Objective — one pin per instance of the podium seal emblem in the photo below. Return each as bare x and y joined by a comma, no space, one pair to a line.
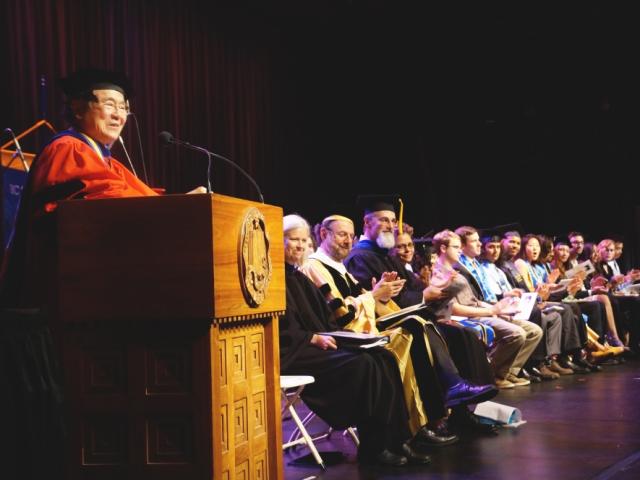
254,261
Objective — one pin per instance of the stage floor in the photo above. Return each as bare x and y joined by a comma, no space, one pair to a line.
578,427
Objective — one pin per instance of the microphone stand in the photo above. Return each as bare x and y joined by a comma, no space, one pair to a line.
201,150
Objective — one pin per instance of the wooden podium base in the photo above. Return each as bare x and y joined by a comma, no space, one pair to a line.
160,402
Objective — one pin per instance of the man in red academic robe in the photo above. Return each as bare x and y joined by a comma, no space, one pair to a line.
76,163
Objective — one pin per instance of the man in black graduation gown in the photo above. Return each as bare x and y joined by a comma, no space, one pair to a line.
361,388
370,258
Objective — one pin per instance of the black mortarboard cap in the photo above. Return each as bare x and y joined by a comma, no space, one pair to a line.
500,230
376,202
82,82
426,239
561,239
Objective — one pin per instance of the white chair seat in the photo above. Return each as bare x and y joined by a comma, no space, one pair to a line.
292,381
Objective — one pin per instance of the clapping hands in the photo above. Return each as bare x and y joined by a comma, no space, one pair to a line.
388,287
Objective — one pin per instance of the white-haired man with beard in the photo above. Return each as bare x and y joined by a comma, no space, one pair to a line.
370,254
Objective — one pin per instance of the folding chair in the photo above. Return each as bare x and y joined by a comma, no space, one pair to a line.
351,431
288,382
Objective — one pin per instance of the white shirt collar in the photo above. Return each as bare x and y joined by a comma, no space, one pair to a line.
614,266
321,256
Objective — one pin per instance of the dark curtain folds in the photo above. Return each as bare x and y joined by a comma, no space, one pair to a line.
320,101
200,73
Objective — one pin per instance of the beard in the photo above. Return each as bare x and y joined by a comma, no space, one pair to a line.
338,253
386,240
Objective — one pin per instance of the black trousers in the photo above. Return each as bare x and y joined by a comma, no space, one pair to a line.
468,353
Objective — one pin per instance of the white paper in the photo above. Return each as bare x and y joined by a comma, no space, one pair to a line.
403,312
586,267
527,302
505,414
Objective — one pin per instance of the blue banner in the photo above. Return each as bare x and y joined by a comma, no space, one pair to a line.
12,184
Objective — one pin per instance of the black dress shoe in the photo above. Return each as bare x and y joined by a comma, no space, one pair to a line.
462,420
414,457
442,430
595,368
385,457
575,366
464,393
610,361
527,375
430,438
583,363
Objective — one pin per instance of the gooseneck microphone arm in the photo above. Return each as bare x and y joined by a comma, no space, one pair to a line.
18,152
166,138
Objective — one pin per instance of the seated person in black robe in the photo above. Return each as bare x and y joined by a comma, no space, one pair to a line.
370,259
361,388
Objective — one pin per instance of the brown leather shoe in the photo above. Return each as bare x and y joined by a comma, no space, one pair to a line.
517,381
503,383
545,373
554,366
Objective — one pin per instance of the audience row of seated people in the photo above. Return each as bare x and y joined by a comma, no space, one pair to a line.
416,373
414,393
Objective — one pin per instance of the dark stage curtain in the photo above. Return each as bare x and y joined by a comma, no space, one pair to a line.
442,105
201,73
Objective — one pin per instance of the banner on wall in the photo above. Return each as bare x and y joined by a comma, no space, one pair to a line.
13,182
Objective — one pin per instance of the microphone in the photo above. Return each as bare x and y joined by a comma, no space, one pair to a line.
167,139
127,155
144,164
18,152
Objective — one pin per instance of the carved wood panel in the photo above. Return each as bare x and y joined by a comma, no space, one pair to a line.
245,399
196,404
139,404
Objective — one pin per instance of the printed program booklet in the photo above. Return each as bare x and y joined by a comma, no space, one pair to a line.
346,339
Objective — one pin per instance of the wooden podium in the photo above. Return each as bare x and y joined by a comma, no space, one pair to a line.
167,317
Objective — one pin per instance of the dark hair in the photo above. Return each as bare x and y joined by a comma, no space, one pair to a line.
464,232
587,251
443,238
523,249
315,234
491,239
546,246
511,233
